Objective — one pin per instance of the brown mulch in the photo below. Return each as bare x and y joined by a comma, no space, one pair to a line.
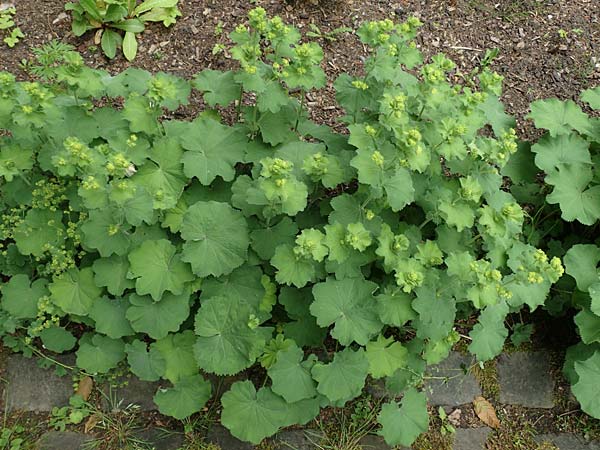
536,61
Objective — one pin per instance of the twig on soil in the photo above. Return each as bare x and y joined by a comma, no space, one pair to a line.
454,47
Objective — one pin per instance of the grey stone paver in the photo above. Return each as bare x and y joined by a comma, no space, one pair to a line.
134,392
222,437
458,387
567,441
470,438
31,388
297,439
161,440
373,442
525,379
62,440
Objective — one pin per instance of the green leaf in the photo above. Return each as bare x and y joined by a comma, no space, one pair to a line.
216,238
399,189
157,319
147,5
157,268
74,291
401,425
581,262
385,356
105,232
291,377
227,341
559,117
109,315
146,365
395,308
130,45
110,41
213,150
20,297
303,329
553,153
162,175
436,313
264,241
349,304
344,378
489,334
589,326
250,415
41,228
586,389
178,353
186,397
219,88
577,201
141,116
292,269
57,339
112,274
592,97
493,109
100,354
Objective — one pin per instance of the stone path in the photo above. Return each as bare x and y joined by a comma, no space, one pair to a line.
524,379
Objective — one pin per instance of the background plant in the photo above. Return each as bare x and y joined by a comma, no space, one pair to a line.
566,215
13,34
118,22
316,257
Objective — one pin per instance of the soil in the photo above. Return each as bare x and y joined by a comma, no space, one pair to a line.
536,60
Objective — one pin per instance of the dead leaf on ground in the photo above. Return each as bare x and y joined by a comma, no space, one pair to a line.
486,412
91,423
454,417
85,387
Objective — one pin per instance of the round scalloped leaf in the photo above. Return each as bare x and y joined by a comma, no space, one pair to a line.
581,263
109,315
344,378
158,319
291,377
489,334
586,389
250,415
20,298
178,353
57,339
349,304
213,150
385,356
226,343
157,269
40,228
559,117
401,425
74,291
112,274
100,354
104,231
588,325
216,238
186,397
146,365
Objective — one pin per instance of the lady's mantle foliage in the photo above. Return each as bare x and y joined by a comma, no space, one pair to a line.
198,246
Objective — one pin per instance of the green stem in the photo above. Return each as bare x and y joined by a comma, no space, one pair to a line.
302,99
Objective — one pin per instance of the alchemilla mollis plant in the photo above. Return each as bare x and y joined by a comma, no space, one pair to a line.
319,258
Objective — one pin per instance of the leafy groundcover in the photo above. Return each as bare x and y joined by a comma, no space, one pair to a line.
184,248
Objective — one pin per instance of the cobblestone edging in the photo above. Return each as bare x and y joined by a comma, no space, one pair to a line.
524,379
